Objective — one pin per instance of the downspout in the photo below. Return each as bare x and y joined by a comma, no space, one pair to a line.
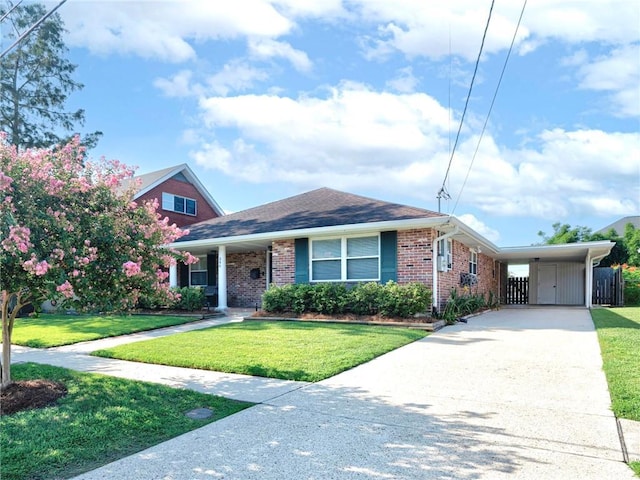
436,296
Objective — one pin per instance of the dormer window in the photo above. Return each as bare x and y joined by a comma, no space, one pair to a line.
176,203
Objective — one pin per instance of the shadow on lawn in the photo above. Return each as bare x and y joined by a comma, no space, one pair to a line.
605,318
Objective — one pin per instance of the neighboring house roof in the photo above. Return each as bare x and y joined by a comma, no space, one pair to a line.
620,224
149,181
319,208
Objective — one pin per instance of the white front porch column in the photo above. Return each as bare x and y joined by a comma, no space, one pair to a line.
173,276
588,283
222,277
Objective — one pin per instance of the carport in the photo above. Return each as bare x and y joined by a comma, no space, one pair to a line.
559,274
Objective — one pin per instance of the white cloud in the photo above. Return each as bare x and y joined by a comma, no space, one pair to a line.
178,85
480,227
162,30
267,49
617,72
357,138
404,82
434,30
235,76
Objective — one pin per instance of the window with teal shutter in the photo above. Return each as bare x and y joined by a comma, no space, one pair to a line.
345,259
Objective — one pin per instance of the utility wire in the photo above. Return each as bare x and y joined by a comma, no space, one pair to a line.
493,100
13,7
443,191
31,29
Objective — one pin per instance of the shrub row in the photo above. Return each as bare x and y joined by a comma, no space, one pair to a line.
459,305
389,300
191,298
631,277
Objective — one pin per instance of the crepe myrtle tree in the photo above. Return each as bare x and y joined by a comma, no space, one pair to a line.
71,232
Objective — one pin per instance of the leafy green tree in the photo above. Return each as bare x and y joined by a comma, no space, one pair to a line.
69,233
564,233
632,242
36,81
626,249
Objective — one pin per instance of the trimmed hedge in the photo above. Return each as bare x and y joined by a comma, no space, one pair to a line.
389,300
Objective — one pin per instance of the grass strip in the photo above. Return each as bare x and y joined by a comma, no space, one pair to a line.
302,351
100,420
619,336
53,330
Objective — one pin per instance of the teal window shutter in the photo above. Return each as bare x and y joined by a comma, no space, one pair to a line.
184,275
212,269
388,256
302,260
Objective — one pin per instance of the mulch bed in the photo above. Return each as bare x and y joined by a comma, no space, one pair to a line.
346,317
28,394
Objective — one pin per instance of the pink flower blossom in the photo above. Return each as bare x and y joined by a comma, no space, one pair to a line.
5,182
65,289
130,268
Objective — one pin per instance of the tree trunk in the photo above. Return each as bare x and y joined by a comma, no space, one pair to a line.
8,318
6,353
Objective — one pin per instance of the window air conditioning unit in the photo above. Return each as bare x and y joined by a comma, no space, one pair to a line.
442,263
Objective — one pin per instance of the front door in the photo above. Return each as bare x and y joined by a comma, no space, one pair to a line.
547,275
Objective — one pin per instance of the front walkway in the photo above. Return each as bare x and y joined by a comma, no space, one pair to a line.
230,385
513,394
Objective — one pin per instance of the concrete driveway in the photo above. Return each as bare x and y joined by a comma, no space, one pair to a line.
517,393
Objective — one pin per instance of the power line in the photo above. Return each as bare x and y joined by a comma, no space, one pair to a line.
31,29
13,7
443,191
493,100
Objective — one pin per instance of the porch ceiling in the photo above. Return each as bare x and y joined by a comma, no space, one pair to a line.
240,247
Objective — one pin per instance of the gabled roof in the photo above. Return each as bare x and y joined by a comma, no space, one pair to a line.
323,207
149,181
619,225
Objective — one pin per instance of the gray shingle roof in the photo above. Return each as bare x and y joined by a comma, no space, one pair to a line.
323,207
619,225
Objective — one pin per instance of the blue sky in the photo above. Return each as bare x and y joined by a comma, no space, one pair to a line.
267,99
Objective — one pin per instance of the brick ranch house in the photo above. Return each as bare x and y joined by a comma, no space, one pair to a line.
330,236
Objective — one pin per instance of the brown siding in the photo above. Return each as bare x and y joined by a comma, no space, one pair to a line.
183,189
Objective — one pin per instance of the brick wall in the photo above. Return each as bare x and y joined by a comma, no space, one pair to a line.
242,290
415,264
415,254
183,189
488,280
283,262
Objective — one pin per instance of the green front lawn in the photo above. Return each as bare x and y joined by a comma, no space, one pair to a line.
619,336
100,420
52,330
288,350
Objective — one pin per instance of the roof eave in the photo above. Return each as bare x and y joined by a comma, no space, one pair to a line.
192,178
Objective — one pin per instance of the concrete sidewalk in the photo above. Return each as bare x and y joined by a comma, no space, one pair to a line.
513,394
230,385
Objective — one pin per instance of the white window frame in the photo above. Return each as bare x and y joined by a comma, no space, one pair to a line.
449,252
202,260
343,259
169,202
473,262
